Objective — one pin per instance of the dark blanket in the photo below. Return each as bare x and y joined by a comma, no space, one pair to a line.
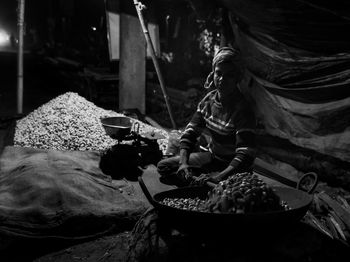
60,194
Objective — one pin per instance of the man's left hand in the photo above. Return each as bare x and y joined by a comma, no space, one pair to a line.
203,178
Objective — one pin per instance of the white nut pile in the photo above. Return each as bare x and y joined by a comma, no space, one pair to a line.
70,122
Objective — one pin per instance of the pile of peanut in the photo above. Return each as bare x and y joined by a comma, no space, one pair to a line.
194,204
70,122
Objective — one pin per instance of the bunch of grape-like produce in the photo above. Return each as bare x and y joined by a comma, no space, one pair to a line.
240,193
70,122
244,193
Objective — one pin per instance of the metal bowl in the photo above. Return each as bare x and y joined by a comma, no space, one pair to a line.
117,127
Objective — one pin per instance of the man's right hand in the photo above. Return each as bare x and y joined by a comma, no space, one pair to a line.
184,174
184,168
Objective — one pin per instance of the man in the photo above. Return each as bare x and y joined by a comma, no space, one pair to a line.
230,122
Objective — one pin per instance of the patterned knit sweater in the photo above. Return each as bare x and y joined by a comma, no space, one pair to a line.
231,129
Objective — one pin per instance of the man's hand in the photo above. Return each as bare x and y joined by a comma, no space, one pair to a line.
203,178
217,177
184,170
224,174
214,177
184,174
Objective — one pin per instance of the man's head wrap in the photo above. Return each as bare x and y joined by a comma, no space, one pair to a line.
224,54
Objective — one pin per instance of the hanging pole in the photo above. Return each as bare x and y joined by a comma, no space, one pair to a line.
139,7
20,23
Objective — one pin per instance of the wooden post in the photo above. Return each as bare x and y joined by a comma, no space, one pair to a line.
20,21
132,65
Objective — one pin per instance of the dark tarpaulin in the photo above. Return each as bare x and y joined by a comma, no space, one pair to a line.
304,24
59,196
301,47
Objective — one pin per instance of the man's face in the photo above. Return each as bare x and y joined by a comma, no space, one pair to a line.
226,78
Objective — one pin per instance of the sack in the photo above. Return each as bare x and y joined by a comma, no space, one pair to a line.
121,160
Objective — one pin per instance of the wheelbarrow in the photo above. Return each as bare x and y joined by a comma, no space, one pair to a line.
207,224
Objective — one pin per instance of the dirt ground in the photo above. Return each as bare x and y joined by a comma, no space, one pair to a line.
110,248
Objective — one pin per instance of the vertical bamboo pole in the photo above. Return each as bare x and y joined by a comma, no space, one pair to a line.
20,23
139,7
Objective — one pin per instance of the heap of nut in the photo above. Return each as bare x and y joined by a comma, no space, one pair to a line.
240,193
194,204
70,122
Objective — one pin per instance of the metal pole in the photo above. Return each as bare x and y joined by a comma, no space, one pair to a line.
20,23
139,7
